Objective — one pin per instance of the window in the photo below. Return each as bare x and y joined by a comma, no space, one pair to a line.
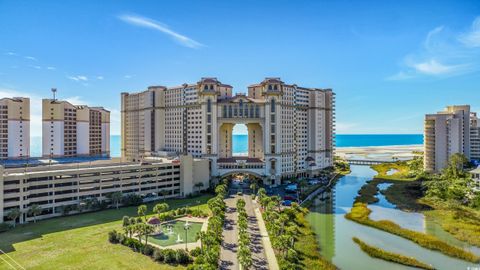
209,105
272,105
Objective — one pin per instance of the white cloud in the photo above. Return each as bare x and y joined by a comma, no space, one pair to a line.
78,78
127,77
345,128
99,77
149,23
472,37
76,100
31,58
35,67
11,53
432,67
443,53
51,68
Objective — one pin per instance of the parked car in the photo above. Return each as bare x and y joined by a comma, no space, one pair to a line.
313,182
289,198
291,187
269,192
287,203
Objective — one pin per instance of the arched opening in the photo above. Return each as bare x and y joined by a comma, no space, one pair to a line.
240,145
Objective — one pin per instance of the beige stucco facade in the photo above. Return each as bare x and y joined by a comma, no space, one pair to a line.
14,128
290,128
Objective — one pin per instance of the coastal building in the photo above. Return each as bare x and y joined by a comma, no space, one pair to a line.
474,138
290,128
74,130
476,179
14,128
68,185
446,133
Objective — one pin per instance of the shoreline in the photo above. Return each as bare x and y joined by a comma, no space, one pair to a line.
381,153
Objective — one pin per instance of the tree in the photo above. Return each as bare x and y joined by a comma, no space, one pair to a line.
160,208
34,211
116,198
164,193
456,165
254,186
142,211
198,186
147,229
125,224
202,237
14,214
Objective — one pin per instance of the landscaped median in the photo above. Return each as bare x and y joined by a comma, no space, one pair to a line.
378,253
360,213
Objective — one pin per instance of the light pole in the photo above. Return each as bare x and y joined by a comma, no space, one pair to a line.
186,228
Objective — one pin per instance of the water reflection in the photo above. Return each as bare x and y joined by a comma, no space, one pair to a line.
334,232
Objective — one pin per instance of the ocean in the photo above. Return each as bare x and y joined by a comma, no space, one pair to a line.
240,142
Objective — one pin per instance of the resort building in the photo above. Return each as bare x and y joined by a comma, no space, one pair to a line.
290,128
74,130
446,133
476,179
474,138
14,128
69,185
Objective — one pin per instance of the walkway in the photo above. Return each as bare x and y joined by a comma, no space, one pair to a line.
256,244
228,251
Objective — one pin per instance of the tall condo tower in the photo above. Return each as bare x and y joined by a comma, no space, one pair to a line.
14,128
290,128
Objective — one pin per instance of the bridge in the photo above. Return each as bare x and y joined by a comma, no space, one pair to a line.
367,162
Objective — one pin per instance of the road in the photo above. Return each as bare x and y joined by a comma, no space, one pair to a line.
228,251
256,245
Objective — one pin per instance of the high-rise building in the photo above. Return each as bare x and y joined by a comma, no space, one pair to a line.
14,128
290,128
474,137
446,133
74,130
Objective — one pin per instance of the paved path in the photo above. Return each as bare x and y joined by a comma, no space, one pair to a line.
256,244
228,251
270,255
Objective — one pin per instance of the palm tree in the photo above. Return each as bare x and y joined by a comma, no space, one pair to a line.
125,223
142,211
147,230
14,214
34,211
202,237
198,186
116,198
164,193
254,186
160,208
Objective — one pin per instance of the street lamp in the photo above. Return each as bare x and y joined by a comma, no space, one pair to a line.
186,227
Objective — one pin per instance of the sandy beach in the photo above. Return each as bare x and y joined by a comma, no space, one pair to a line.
401,152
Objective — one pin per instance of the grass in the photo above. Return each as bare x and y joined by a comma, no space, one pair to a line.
80,241
308,248
360,213
378,253
402,171
404,194
460,221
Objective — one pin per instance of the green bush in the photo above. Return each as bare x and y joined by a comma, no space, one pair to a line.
113,237
195,252
170,256
158,255
4,227
148,250
182,257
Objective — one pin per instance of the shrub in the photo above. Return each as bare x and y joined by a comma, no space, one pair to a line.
195,252
182,257
158,255
113,237
148,250
170,256
132,199
4,227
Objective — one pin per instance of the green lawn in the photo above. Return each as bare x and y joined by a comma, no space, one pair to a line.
80,241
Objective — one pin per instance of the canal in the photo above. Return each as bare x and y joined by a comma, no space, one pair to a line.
334,232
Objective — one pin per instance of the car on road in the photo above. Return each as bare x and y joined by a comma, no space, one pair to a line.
287,203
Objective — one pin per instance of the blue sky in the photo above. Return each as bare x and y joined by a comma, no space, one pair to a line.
389,62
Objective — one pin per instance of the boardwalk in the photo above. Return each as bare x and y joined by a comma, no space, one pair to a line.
228,251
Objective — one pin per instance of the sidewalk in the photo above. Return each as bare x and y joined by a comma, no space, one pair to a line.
267,245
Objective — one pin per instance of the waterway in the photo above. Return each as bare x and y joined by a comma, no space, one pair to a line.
334,232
